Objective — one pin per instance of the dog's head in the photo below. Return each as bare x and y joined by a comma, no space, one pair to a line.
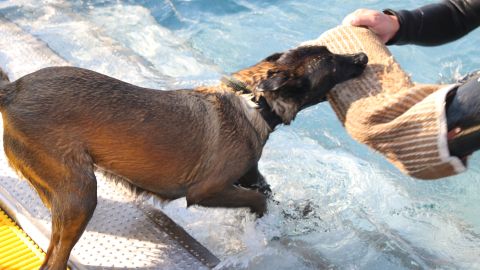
299,78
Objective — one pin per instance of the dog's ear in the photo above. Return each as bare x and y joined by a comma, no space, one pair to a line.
274,81
274,57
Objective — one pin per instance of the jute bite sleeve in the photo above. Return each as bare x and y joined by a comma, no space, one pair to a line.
383,108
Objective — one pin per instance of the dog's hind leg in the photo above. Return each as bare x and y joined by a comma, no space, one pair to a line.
71,211
66,184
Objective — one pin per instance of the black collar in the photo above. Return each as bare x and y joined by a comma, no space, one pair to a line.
237,85
265,110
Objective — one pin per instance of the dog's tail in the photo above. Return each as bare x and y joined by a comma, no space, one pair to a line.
3,82
3,78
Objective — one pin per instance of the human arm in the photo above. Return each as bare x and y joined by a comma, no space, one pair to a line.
429,25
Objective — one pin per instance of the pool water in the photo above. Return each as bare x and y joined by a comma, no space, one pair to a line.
338,205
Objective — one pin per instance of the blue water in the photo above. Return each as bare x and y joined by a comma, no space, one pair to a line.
340,205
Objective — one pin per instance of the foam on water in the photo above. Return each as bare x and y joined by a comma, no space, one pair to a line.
337,204
139,31
333,209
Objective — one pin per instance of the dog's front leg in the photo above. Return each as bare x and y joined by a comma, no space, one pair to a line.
253,179
230,197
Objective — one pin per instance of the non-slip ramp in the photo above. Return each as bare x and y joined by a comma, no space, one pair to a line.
122,234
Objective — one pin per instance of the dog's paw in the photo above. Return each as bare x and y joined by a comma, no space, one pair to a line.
259,210
261,187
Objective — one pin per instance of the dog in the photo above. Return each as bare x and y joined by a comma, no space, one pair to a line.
63,123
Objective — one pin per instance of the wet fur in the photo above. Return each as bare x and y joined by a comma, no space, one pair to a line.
63,123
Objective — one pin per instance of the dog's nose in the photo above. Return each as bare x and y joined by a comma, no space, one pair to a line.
361,59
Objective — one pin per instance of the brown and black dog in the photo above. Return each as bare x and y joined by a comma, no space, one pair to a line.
63,123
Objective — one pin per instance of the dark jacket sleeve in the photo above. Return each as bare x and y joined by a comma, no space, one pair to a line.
436,24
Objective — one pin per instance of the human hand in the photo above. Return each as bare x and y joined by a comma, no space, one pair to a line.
384,25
